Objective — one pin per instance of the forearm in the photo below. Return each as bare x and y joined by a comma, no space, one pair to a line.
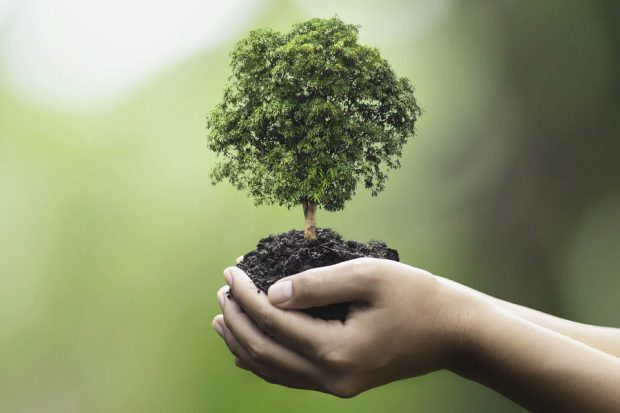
603,338
534,366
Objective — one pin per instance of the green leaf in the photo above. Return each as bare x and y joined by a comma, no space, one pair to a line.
309,114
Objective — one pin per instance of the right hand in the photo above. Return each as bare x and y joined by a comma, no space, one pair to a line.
402,322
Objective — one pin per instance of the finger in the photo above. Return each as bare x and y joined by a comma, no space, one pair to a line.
264,349
349,281
242,358
221,296
218,325
239,259
240,364
271,375
310,336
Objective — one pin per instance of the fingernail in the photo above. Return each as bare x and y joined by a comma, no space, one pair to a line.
280,292
218,327
228,276
220,296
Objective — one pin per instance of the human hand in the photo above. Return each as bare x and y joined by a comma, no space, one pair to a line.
402,322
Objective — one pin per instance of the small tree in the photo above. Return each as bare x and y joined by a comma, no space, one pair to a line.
308,114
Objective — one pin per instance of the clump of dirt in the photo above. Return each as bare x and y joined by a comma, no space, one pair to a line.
288,253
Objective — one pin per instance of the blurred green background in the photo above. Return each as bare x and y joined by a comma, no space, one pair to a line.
112,240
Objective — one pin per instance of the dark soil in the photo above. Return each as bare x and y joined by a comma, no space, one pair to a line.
288,253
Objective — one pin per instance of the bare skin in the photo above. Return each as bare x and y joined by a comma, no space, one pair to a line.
405,322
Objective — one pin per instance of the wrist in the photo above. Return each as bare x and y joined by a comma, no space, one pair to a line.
468,312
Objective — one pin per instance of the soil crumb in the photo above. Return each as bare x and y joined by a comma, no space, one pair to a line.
288,253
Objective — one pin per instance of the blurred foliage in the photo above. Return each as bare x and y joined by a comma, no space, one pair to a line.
112,240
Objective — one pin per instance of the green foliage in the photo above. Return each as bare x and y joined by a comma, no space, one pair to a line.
308,114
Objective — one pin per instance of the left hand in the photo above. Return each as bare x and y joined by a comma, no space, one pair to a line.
402,322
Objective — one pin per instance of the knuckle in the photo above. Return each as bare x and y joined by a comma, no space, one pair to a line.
266,320
256,351
366,268
269,378
337,359
344,387
232,347
365,260
262,373
303,287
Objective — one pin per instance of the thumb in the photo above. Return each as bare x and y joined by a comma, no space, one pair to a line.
348,281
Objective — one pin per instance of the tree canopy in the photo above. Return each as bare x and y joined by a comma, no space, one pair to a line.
308,114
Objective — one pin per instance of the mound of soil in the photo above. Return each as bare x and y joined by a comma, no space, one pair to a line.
288,253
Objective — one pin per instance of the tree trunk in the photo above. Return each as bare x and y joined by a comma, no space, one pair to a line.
309,222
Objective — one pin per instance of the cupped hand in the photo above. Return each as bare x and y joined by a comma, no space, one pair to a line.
402,322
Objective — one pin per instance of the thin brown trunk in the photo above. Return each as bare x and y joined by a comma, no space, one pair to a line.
309,220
